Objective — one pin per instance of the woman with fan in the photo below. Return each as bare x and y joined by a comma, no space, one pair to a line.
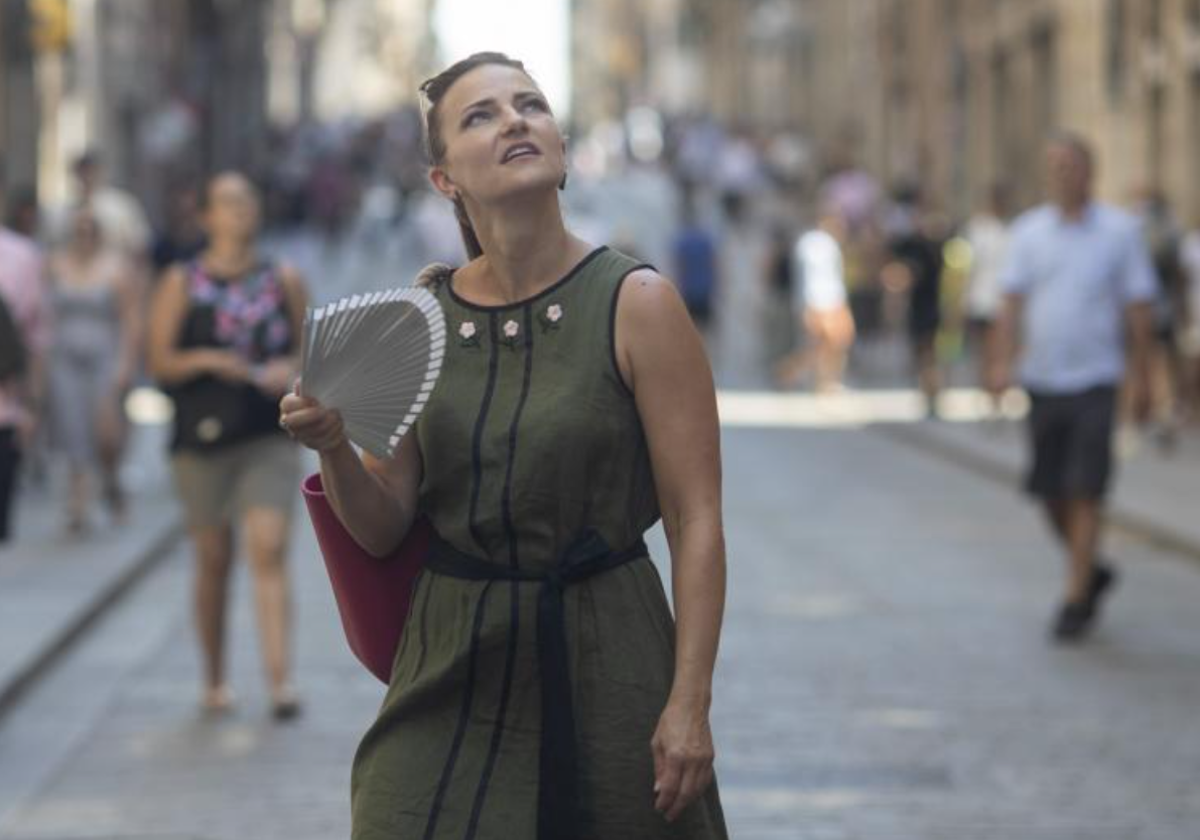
541,688
223,344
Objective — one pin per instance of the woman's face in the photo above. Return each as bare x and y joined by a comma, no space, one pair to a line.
232,210
501,138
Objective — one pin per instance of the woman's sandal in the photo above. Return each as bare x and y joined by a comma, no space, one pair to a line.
285,705
217,701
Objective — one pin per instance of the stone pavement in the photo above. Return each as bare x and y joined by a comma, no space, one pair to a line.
1154,489
884,675
53,585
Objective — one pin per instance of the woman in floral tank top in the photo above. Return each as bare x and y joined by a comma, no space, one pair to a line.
223,344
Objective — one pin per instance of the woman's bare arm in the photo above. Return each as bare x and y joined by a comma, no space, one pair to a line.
376,500
130,314
662,359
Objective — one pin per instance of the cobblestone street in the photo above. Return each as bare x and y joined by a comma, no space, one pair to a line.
884,676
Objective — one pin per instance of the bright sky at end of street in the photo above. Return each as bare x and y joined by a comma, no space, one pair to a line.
535,31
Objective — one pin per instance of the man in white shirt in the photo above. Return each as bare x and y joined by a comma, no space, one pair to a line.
1077,275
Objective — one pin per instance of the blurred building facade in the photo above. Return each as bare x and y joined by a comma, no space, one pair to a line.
158,89
18,95
739,60
957,94
330,59
962,93
167,91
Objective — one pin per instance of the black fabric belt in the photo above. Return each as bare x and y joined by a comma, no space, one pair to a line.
558,783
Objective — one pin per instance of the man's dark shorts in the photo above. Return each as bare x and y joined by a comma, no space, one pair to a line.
1071,436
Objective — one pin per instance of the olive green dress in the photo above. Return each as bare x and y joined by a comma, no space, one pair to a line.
530,439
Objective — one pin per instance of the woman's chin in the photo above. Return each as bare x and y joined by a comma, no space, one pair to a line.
523,185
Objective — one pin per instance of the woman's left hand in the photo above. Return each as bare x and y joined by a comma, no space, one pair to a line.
683,757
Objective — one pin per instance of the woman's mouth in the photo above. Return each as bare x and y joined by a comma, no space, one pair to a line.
520,150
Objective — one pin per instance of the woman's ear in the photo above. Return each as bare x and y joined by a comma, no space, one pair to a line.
442,183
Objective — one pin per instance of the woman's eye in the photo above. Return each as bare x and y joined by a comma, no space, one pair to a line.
536,105
473,118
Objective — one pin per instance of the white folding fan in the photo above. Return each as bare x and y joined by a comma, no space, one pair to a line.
374,357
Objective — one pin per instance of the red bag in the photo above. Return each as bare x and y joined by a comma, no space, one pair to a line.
372,594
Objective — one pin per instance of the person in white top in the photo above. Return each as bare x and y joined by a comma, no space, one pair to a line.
819,295
987,233
123,222
1077,280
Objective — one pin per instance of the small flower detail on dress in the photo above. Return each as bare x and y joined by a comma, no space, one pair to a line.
511,330
468,334
550,318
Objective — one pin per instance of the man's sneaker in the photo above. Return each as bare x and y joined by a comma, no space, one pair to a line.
1072,622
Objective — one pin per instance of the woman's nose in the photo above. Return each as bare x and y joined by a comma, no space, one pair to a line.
513,121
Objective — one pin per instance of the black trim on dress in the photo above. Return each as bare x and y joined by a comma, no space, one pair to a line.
553,287
477,438
464,717
510,529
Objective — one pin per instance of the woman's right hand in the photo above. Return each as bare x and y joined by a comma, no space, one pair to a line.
312,424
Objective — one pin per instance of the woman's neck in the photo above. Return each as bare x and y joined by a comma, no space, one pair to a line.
525,249
229,256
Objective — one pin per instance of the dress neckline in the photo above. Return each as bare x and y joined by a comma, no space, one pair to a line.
553,287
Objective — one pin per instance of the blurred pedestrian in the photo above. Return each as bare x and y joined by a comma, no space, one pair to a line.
695,253
915,248
223,341
98,331
1076,274
1189,259
182,238
1162,235
819,286
24,342
987,234
503,719
24,215
123,222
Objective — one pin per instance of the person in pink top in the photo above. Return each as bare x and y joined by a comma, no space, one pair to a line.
22,293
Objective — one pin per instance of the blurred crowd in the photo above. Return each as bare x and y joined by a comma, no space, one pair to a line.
858,262
840,270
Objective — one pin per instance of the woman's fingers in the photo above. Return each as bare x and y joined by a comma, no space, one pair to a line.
294,402
667,779
302,411
313,425
692,784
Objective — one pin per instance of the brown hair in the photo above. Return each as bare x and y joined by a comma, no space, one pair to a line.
435,90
